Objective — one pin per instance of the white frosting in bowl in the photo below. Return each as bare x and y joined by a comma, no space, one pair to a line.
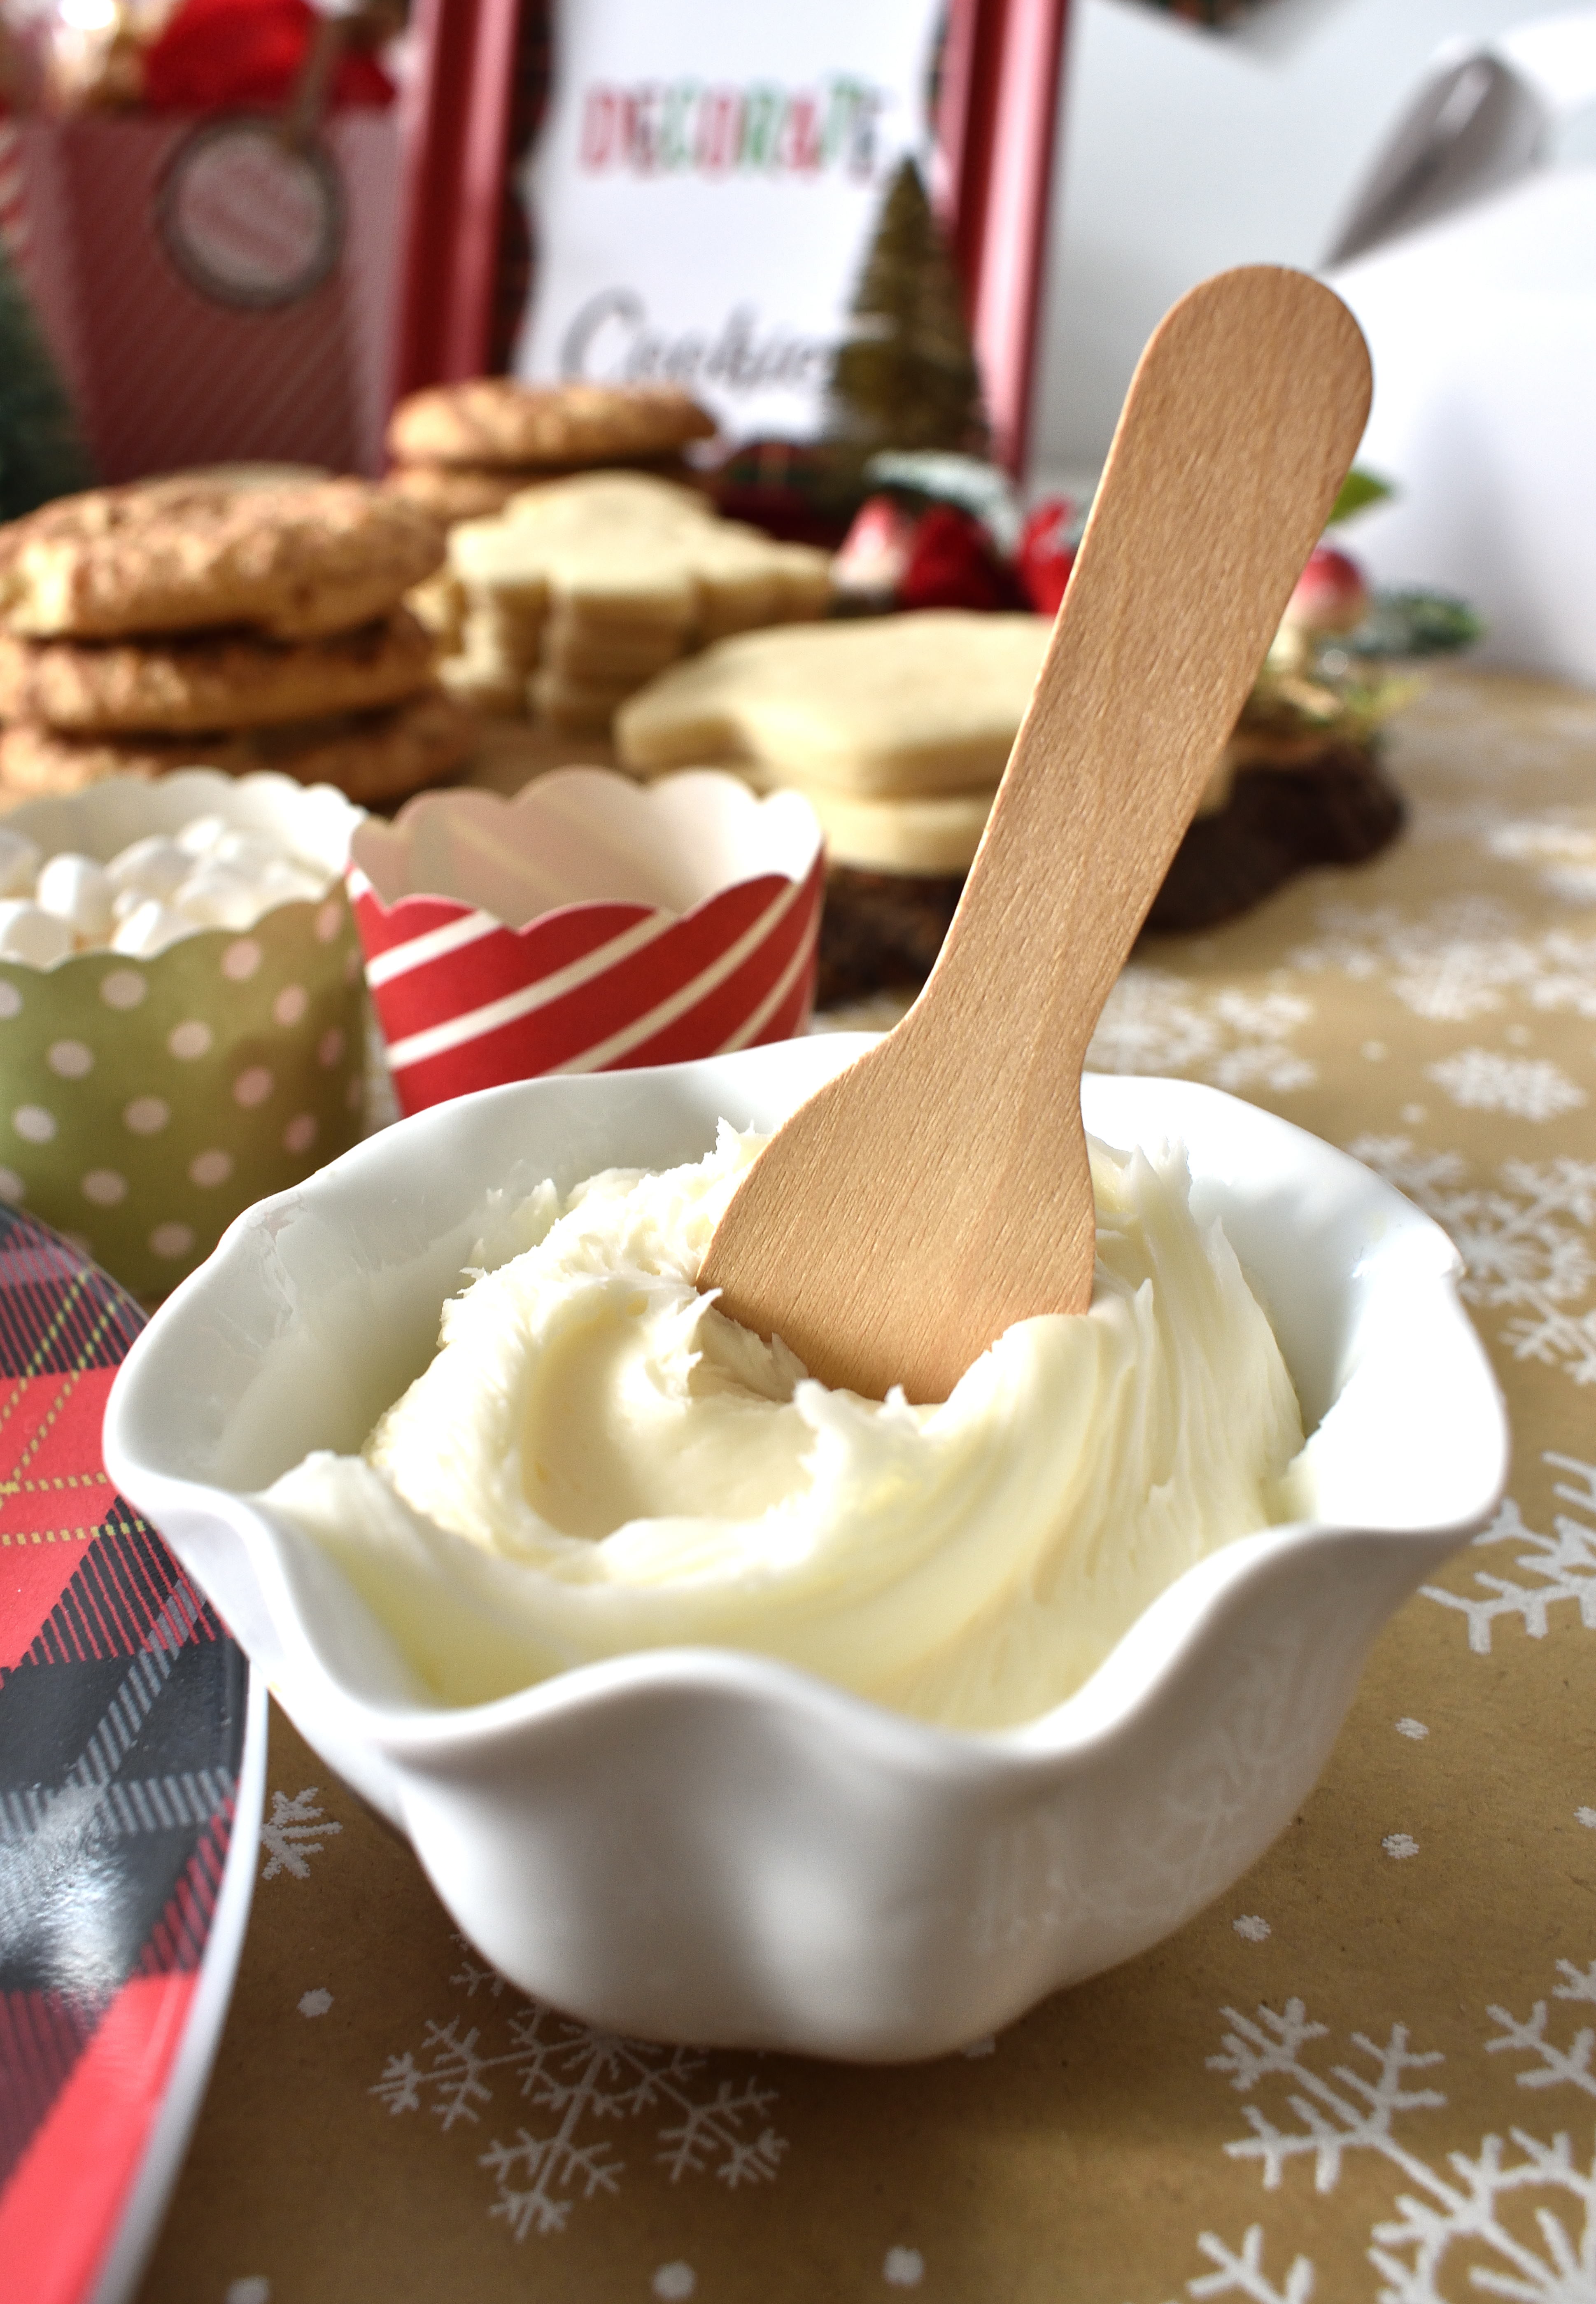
598,1461
700,1843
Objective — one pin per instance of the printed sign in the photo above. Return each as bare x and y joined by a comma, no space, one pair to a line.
247,218
705,189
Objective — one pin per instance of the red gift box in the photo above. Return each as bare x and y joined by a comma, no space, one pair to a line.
211,293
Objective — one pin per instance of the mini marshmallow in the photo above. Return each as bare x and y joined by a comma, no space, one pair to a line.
200,835
245,852
285,882
77,890
26,933
149,927
209,875
215,897
151,867
20,860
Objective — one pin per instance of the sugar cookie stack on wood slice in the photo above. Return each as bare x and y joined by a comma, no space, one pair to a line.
463,450
581,591
218,621
896,728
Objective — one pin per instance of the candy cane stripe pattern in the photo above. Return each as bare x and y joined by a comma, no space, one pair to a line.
465,1003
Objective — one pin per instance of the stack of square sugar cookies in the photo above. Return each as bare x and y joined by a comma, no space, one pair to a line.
465,449
579,592
896,728
234,625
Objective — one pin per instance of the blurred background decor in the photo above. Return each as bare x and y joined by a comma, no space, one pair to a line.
1471,263
41,453
206,199
1206,12
763,146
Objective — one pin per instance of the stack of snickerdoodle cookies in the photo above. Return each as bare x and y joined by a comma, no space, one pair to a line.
465,449
238,625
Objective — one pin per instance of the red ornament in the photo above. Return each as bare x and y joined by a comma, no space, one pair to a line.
228,56
951,565
1330,595
876,551
1046,554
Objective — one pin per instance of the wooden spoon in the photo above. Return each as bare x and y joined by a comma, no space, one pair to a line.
939,1190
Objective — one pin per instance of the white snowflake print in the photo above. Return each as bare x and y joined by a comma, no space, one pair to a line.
1413,1730
1468,2213
584,2078
1252,1927
1155,1022
1343,2113
1244,2275
1556,845
905,2268
1562,1565
1562,852
1554,2067
1466,957
1455,2223
1523,1242
1525,1088
1400,1845
293,1832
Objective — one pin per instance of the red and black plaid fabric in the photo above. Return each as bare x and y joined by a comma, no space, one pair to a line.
121,1724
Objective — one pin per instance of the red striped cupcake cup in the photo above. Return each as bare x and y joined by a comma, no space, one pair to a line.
589,923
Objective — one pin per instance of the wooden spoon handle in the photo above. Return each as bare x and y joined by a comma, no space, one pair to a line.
1241,421
939,1190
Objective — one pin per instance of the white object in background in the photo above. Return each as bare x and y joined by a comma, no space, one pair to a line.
706,189
1472,268
28,932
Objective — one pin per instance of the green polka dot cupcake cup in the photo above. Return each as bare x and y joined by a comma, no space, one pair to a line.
145,1102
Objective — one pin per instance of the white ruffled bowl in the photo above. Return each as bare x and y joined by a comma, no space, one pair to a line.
702,1845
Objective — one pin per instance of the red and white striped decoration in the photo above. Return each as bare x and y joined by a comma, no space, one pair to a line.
165,377
465,1003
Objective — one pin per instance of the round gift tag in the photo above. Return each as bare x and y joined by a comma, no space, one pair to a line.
248,218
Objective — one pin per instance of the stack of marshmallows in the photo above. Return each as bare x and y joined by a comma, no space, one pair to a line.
216,619
207,875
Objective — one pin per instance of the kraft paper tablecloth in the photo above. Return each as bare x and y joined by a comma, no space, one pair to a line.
1367,2071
